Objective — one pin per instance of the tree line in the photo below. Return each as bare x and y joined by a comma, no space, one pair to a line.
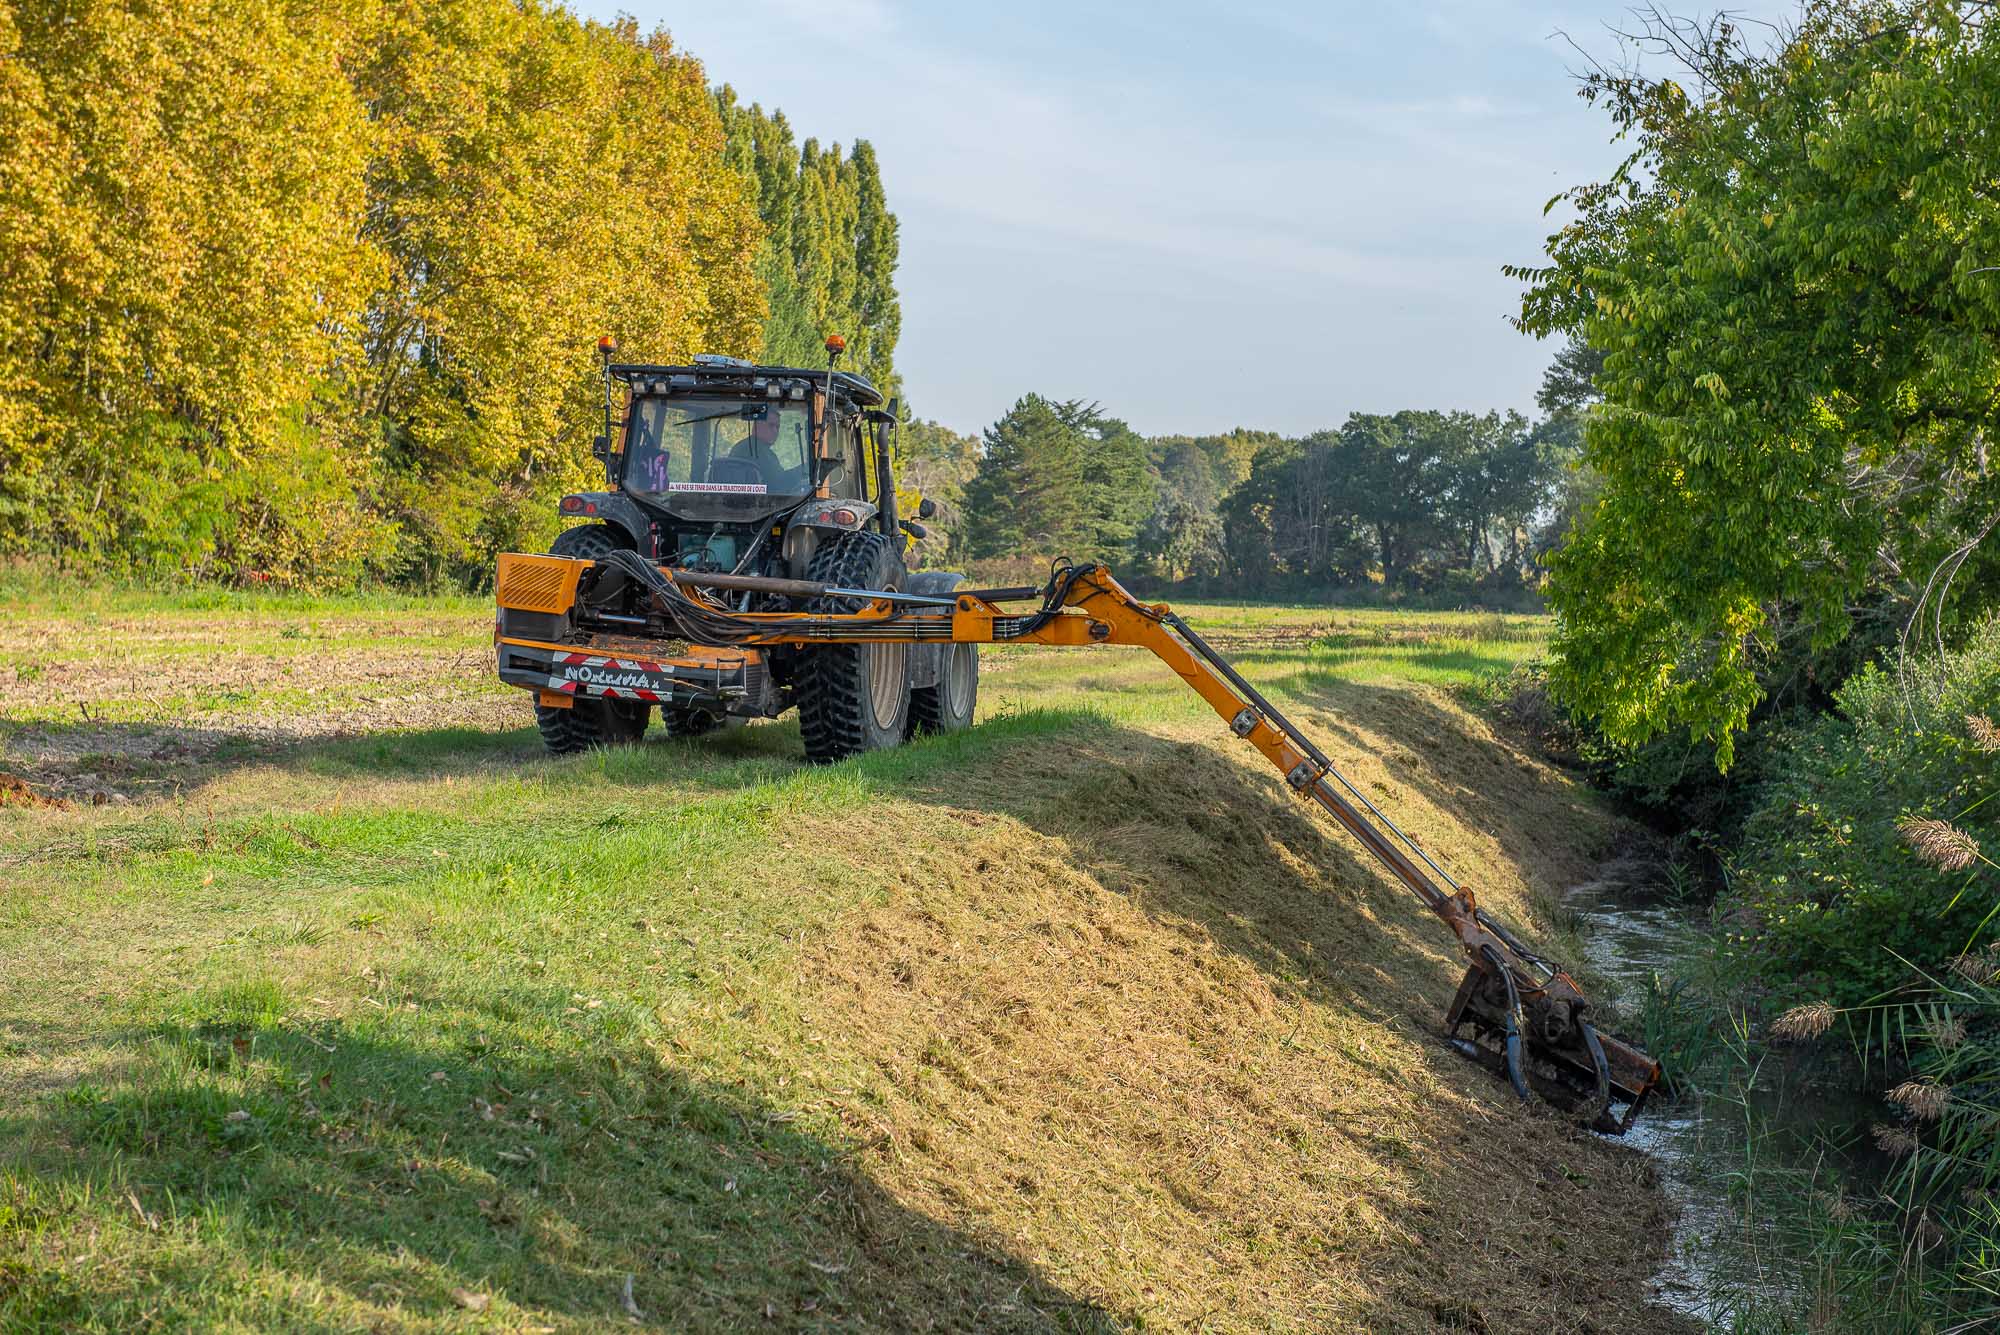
310,293
1415,501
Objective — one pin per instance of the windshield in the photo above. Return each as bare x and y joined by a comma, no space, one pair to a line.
719,458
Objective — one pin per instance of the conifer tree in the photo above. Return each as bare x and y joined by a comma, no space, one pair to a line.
1058,479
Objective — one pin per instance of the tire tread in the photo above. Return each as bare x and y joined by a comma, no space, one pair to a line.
831,687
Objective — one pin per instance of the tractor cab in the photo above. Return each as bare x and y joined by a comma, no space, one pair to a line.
722,464
712,459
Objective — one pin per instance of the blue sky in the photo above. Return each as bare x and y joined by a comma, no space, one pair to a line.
1263,214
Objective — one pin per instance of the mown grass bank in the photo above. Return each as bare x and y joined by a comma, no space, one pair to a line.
354,1015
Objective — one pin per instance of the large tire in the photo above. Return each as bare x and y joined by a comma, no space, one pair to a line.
591,542
852,697
589,723
948,706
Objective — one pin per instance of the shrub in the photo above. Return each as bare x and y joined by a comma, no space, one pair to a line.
1831,897
288,515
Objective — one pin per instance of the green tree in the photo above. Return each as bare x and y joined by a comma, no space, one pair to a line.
831,245
1184,535
1790,280
1229,455
1569,385
1058,478
1498,477
1296,517
1568,390
878,314
761,146
1410,497
936,463
1026,497
1400,470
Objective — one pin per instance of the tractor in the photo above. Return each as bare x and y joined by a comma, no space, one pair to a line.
767,481
747,558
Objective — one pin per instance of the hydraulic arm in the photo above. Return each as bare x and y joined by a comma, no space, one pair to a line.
1514,1011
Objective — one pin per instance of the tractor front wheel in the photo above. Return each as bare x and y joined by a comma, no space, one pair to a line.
589,723
688,721
853,697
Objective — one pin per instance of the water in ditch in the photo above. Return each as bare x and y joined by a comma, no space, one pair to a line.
1762,1125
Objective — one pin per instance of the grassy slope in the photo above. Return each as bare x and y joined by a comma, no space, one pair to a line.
1073,1020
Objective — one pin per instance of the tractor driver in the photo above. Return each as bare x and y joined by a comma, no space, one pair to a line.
759,448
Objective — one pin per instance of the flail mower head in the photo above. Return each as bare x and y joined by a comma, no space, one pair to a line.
1530,1021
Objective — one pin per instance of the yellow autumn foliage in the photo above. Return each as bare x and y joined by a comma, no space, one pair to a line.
300,291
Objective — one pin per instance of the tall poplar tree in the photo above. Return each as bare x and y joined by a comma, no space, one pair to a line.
290,292
831,244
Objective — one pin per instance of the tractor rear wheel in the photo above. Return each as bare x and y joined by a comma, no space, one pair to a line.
590,542
590,722
852,697
947,706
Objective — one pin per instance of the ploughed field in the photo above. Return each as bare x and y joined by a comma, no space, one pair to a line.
334,1004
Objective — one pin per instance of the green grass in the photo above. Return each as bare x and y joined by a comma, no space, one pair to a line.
419,1029
406,1043
1286,648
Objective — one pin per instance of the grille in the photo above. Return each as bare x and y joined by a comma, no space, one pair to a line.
534,588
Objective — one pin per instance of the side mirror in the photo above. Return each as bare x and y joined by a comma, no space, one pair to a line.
926,508
601,447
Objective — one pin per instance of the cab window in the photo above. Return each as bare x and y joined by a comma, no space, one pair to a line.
718,447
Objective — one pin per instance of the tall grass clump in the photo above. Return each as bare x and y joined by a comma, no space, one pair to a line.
1922,1252
1841,1024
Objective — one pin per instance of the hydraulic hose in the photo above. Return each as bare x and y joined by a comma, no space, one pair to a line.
1512,1021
